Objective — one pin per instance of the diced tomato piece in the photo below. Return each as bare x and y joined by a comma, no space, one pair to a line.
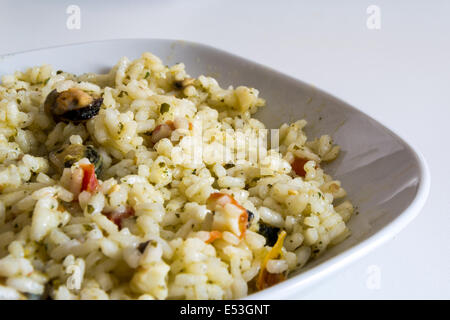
118,216
298,165
90,182
270,279
163,130
213,235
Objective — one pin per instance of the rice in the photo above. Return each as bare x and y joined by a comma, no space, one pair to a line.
166,189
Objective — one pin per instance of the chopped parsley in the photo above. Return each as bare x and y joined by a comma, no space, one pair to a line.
120,127
229,165
90,208
146,75
164,108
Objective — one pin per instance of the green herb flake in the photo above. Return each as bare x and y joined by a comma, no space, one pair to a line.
164,108
46,80
229,165
146,75
90,208
120,127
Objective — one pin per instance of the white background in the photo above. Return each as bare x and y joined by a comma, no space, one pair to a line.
399,74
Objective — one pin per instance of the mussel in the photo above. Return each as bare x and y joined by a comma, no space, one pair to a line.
72,105
67,155
269,232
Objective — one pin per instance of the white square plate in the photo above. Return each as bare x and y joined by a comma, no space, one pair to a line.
384,176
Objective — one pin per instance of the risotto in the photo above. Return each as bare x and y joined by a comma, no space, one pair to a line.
146,183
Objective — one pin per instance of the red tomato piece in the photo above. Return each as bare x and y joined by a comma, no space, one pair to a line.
118,216
90,182
298,165
269,279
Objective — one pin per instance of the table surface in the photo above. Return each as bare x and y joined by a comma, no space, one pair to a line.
399,74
